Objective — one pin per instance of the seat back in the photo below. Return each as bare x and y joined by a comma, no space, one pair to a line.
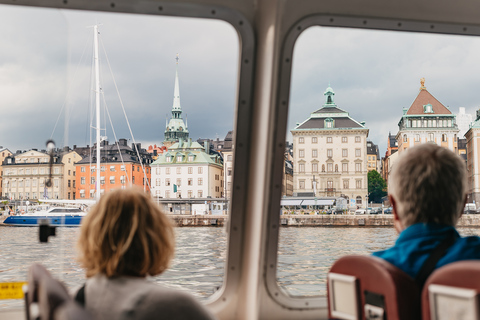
452,292
45,295
366,287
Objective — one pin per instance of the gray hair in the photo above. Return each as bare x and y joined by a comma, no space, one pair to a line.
429,185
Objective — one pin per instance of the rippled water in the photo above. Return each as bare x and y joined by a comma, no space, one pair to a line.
305,255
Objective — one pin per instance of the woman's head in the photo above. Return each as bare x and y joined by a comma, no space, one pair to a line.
126,233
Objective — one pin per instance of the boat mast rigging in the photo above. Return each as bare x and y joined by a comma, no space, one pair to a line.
97,108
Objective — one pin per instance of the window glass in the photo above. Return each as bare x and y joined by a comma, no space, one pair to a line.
46,58
363,96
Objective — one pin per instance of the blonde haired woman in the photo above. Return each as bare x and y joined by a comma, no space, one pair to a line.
124,239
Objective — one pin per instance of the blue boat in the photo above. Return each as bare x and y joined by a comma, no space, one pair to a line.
68,217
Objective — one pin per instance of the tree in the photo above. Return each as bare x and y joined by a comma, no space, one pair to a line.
377,188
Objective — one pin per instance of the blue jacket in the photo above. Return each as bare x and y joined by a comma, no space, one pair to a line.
415,244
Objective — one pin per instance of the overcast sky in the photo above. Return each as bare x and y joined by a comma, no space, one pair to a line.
46,57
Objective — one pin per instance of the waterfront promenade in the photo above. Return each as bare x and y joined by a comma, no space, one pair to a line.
323,220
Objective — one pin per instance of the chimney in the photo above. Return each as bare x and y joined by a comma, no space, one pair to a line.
207,146
155,152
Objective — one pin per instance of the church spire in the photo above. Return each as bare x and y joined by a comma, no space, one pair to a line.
175,128
176,92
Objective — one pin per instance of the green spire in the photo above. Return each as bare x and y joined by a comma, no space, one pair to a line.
329,93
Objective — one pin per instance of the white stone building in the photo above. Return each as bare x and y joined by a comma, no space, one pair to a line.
427,120
187,171
463,121
330,155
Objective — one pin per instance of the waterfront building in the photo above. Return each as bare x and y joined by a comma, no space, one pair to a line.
175,129
187,170
25,174
155,151
4,152
373,157
427,120
330,155
120,167
473,157
392,147
463,121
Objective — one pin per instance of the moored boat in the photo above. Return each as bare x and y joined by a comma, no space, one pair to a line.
56,216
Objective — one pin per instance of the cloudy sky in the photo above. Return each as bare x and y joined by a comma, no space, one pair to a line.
46,58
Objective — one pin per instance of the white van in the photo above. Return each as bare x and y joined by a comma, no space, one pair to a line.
470,208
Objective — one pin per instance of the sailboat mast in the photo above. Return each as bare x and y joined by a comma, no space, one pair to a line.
97,106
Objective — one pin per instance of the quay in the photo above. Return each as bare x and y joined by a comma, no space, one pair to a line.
323,220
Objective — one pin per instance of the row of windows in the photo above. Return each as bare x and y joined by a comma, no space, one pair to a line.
346,184
431,137
158,182
113,169
158,170
34,195
102,180
301,153
431,123
179,194
329,139
301,167
26,183
33,171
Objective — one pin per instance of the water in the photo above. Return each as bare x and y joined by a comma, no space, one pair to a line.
305,256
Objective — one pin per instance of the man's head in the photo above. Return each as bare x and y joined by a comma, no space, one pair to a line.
428,184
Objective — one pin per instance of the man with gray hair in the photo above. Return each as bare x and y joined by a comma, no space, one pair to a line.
427,190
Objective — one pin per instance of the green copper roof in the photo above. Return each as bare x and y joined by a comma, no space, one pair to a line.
187,152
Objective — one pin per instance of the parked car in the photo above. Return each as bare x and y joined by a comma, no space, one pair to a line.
376,210
470,208
388,210
360,211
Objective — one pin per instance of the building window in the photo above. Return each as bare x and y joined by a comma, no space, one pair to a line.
314,153
82,181
301,184
167,170
314,167
92,193
301,153
92,180
190,193
344,139
112,168
112,179
167,194
200,181
405,139
122,179
358,139
190,182
345,184
69,183
444,137
179,170
102,168
417,138
301,140
167,182
200,170
82,193
190,158
330,167
200,193
358,167
359,200
229,157
330,184
358,152
329,153
301,167
82,169
168,159
314,140
190,170
329,139
229,172
431,137
179,182
358,184
179,158
344,153
344,167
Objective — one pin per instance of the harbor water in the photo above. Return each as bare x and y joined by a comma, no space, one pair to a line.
305,256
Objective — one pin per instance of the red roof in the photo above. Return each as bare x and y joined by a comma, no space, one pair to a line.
424,97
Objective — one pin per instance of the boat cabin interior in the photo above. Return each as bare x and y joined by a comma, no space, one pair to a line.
265,35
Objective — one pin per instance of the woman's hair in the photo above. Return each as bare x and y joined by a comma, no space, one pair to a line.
126,233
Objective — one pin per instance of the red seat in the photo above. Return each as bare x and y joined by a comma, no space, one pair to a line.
360,285
452,291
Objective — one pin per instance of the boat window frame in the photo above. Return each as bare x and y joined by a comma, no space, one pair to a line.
288,41
243,108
